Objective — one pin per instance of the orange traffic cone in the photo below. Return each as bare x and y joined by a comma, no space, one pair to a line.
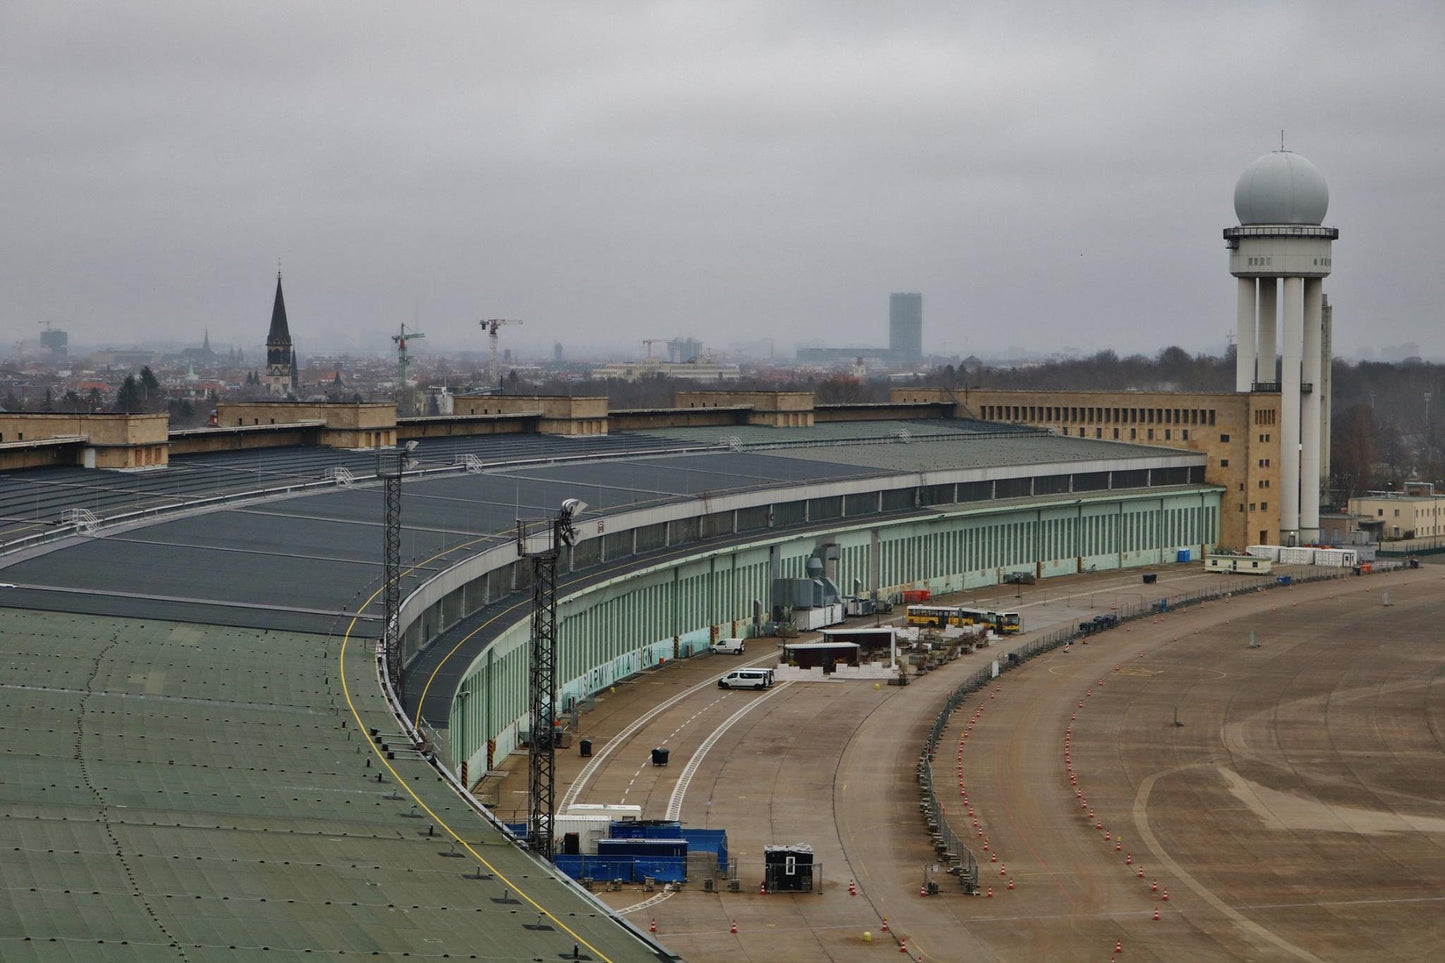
1156,914
735,926
652,927
1118,946
885,924
903,946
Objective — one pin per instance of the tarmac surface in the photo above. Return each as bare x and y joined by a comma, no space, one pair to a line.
1291,810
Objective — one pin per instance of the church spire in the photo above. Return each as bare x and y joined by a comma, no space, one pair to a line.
280,333
280,355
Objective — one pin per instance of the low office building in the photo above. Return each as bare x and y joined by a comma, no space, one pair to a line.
1414,512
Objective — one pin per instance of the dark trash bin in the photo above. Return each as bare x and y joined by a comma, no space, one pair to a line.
1150,578
584,747
659,756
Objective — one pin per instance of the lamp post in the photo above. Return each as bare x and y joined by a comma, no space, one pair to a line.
542,685
391,464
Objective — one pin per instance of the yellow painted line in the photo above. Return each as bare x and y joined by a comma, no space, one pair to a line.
361,727
416,721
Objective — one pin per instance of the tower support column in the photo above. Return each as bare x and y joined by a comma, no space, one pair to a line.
1311,403
1327,378
1244,351
1268,321
1289,415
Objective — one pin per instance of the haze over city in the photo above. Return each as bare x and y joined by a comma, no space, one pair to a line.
1049,177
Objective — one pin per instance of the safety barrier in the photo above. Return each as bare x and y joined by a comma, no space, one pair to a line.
948,844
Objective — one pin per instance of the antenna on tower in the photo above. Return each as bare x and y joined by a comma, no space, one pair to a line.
1281,138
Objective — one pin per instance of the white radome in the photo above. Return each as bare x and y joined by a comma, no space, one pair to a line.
1281,187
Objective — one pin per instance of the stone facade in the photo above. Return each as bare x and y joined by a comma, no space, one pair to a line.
1409,514
339,425
556,414
775,409
90,440
1239,432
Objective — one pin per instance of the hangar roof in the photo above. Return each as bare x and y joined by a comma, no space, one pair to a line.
185,762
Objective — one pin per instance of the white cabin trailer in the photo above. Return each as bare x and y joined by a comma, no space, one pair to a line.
1238,564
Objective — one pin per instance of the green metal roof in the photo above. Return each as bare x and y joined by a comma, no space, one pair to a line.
167,783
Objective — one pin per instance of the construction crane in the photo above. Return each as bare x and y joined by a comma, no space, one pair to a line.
650,342
491,325
402,362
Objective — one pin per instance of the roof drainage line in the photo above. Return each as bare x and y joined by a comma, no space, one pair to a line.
103,808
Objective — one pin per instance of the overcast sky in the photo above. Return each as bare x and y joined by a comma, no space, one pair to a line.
1048,176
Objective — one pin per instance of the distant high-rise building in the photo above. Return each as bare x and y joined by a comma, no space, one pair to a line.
280,356
683,350
56,341
905,326
556,351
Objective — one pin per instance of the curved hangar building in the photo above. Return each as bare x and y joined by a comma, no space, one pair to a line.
200,760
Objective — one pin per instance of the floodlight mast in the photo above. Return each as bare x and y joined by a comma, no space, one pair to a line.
391,464
542,688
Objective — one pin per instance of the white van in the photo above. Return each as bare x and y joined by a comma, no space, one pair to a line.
746,679
727,647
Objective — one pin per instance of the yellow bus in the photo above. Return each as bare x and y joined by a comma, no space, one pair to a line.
937,616
1004,623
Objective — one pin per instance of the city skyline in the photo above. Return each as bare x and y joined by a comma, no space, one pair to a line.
1044,177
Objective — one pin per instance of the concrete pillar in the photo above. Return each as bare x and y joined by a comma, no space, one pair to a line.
1244,337
1268,319
1309,488
1327,377
1292,332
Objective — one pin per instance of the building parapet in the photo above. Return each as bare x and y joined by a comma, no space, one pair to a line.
343,424
774,409
115,441
555,414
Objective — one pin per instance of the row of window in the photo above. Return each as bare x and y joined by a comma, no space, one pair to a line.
1133,433
1091,415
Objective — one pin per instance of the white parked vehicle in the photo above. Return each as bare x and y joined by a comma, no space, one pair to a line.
727,647
746,679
